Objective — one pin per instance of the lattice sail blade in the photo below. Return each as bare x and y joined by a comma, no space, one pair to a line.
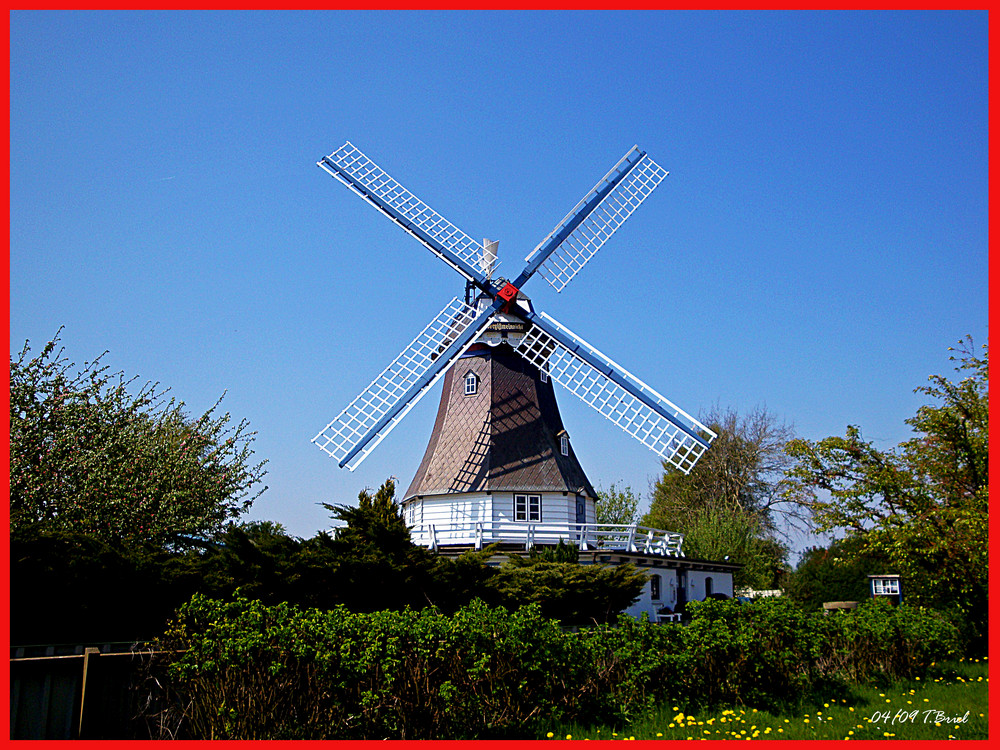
601,383
580,245
370,417
351,167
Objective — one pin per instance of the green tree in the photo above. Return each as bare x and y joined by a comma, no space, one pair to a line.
838,572
715,532
567,591
923,506
88,456
375,563
733,501
743,469
617,506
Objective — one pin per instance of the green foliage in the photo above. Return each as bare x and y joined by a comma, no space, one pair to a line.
714,532
730,502
567,591
243,670
617,506
374,562
838,572
71,587
68,586
922,507
87,456
246,671
563,552
743,469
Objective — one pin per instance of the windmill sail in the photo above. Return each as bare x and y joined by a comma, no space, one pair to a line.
614,392
601,383
437,234
626,186
378,409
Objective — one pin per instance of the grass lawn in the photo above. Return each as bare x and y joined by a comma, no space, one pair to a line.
950,703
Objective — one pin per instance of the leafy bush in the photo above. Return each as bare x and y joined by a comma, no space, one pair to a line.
248,671
245,670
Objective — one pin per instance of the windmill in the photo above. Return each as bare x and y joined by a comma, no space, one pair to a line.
496,315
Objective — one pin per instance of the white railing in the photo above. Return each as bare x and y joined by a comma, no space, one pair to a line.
586,536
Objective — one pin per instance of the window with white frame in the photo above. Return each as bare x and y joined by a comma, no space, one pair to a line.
528,508
471,384
885,586
564,444
544,376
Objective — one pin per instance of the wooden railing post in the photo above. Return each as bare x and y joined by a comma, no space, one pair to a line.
89,653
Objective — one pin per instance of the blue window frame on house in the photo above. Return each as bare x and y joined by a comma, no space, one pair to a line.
471,384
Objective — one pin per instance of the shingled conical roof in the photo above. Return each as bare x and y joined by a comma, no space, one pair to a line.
504,437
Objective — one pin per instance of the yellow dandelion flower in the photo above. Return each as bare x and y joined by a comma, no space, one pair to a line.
850,708
780,729
569,736
805,721
550,735
659,734
850,731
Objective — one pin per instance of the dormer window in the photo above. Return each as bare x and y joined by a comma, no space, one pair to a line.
471,384
564,444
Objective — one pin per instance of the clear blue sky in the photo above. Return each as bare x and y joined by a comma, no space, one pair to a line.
821,240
